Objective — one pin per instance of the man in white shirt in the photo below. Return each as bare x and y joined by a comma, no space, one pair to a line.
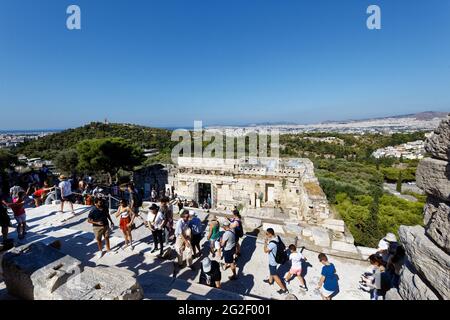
66,192
183,245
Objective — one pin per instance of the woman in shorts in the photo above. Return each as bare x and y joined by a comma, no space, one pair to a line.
127,217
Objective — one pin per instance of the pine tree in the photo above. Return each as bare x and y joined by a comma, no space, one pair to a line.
399,181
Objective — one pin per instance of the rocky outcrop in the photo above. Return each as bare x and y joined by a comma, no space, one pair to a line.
412,287
430,261
439,143
433,176
437,222
426,274
35,271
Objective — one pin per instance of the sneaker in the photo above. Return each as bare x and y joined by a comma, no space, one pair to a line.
154,250
282,292
224,267
99,254
268,281
304,288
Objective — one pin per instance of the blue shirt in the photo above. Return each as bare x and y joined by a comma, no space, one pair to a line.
331,281
196,225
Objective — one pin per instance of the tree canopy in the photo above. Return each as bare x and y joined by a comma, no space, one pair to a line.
108,155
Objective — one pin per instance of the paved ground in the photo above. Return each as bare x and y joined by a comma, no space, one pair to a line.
159,278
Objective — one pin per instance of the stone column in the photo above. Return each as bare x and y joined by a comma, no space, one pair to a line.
426,274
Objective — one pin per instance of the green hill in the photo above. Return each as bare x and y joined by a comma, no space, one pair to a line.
145,137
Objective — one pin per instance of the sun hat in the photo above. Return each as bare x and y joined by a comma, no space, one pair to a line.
206,264
390,237
226,223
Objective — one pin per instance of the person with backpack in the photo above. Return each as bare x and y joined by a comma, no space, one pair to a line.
197,230
236,225
228,243
275,248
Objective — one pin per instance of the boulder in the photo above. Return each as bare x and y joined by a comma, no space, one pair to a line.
413,288
101,283
439,143
393,295
344,246
35,271
433,177
437,222
431,263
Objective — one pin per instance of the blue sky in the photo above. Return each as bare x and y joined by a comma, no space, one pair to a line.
170,62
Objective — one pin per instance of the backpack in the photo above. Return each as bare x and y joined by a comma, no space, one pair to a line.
239,231
281,256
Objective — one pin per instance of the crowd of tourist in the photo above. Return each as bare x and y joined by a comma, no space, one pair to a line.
185,236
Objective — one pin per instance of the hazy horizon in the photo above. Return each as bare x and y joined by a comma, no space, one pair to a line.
168,63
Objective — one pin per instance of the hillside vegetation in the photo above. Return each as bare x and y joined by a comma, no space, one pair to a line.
49,146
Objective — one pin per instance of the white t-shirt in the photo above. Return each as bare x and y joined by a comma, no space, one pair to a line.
66,188
159,219
296,259
383,245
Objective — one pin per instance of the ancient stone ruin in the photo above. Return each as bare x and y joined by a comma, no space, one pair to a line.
37,271
426,274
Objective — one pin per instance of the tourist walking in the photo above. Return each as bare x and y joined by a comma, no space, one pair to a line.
5,223
328,283
275,249
213,234
228,244
157,228
210,274
296,259
100,219
183,245
18,208
197,229
168,219
127,217
236,225
66,192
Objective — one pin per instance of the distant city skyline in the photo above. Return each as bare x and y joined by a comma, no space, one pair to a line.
167,63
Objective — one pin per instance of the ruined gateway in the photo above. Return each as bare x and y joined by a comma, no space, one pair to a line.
280,192
266,187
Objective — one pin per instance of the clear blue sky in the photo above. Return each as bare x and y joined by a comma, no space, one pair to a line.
169,62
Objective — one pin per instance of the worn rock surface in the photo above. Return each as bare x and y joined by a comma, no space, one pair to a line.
413,288
439,143
34,271
437,222
101,283
432,263
433,177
